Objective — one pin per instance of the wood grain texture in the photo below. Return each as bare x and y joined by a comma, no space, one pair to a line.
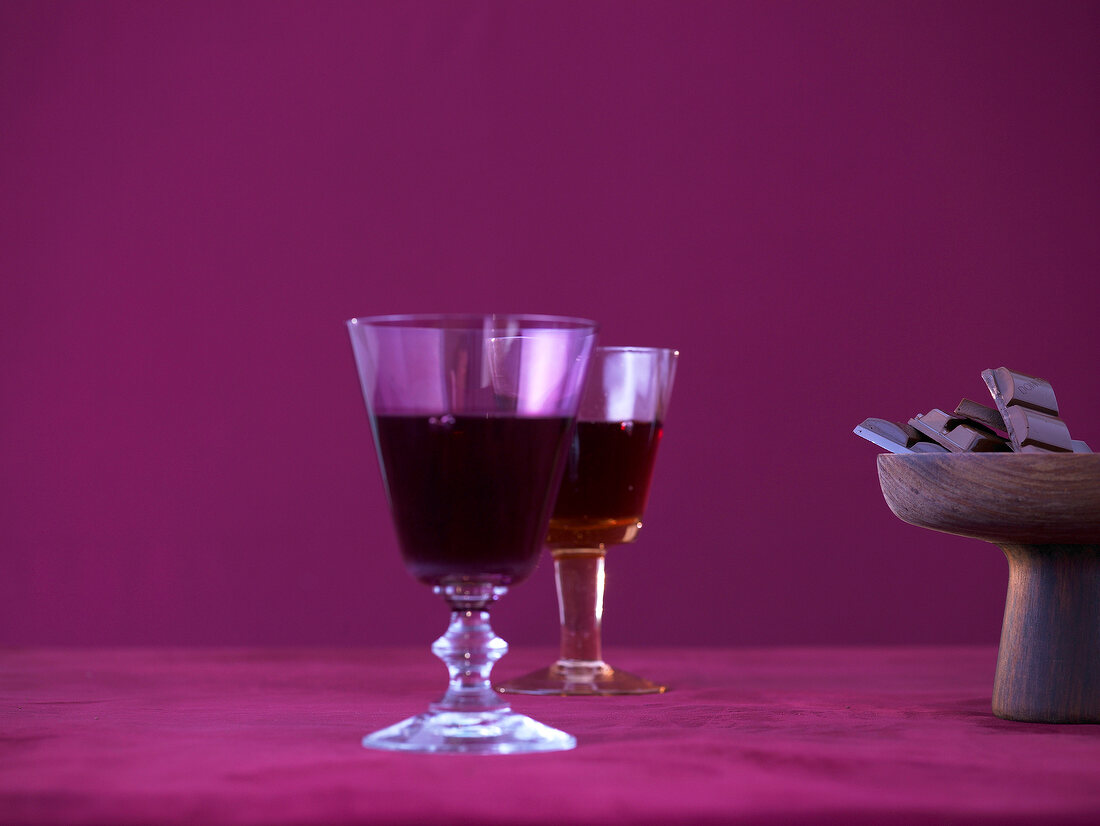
1048,665
1020,498
1043,510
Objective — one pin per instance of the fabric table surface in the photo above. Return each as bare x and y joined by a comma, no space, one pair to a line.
812,735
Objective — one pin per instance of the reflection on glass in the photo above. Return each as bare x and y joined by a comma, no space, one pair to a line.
600,502
471,417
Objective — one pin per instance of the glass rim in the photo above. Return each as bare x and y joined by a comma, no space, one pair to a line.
621,348
424,320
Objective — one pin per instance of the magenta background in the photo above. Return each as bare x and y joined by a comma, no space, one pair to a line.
835,210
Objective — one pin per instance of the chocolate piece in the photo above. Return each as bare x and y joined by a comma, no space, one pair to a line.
987,416
897,438
1030,412
1026,410
934,422
1035,432
1009,388
928,447
956,434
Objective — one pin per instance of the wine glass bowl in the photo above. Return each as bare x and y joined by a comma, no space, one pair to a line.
1043,511
471,417
600,503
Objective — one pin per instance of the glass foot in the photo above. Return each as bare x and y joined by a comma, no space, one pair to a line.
580,678
456,732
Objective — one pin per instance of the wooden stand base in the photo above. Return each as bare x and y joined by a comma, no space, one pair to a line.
1043,511
1048,666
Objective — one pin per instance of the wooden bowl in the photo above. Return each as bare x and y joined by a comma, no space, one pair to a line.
1043,511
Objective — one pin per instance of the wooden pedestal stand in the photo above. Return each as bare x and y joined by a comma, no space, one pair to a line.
1043,511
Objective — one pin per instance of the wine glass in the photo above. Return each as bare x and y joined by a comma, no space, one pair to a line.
471,416
600,503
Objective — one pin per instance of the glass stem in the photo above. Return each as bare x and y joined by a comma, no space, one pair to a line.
469,649
580,577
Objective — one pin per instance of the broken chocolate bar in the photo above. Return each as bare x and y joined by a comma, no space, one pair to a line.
1030,412
976,412
1009,388
897,438
1026,410
1035,432
956,434
928,447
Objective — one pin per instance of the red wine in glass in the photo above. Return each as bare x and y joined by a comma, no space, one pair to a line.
470,495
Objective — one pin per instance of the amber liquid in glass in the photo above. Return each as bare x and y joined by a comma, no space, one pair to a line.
470,495
605,484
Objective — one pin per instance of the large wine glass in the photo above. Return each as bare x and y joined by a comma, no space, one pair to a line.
471,416
600,503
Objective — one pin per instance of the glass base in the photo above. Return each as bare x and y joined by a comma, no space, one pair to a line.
577,678
483,732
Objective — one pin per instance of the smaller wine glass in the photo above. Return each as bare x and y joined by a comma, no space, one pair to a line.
600,503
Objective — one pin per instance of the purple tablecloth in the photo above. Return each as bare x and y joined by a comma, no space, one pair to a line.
235,736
